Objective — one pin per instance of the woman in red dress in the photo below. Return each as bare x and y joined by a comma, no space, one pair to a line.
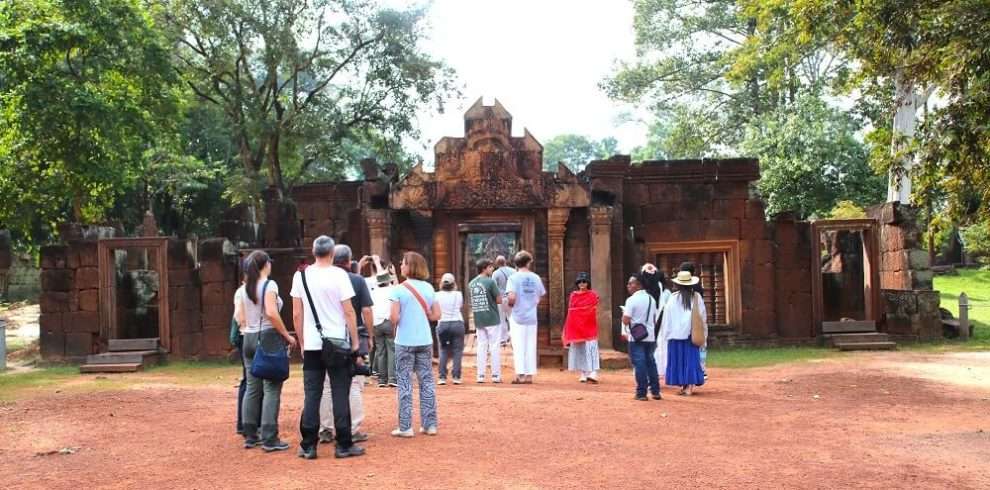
581,330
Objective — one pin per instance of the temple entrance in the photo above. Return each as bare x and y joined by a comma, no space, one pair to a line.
486,241
134,300
844,276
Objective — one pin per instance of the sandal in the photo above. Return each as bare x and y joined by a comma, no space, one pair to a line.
517,381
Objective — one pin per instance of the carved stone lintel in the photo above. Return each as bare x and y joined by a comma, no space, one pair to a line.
601,270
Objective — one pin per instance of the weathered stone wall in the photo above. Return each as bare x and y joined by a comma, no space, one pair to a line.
792,274
70,319
910,306
23,278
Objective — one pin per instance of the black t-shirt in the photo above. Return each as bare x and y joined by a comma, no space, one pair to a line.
362,299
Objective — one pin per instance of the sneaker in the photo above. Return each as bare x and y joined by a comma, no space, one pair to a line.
403,433
359,437
593,381
657,396
497,380
350,452
642,398
326,436
583,379
441,381
251,442
382,385
275,446
307,453
457,381
393,385
482,381
430,431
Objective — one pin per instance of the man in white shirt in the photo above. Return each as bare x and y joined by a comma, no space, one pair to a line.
641,310
329,294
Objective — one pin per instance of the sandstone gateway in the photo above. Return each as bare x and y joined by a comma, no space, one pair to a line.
776,281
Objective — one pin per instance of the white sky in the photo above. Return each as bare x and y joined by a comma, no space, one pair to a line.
542,59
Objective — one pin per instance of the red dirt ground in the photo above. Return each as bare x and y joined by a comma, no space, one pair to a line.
879,421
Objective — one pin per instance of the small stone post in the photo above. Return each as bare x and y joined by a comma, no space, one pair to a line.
963,316
3,345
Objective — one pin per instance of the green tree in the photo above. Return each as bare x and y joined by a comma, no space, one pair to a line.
86,88
296,79
576,151
810,159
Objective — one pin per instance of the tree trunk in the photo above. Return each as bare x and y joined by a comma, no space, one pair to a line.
905,121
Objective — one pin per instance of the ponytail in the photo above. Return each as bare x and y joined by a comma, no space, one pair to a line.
254,263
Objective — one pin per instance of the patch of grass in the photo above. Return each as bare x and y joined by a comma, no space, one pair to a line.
15,344
976,284
15,383
749,357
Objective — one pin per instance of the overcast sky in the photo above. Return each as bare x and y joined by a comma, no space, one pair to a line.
542,59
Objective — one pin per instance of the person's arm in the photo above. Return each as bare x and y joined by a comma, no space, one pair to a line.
351,318
271,310
297,318
239,314
435,314
394,314
368,317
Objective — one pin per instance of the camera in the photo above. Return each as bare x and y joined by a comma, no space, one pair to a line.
362,369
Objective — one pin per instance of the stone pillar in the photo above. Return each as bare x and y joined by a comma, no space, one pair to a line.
601,270
441,249
378,232
556,229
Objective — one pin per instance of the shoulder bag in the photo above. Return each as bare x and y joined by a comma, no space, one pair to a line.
697,323
639,331
271,365
334,352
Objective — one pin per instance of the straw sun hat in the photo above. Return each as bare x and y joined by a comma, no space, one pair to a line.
684,278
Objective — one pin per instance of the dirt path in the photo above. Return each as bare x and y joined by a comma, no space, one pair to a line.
872,421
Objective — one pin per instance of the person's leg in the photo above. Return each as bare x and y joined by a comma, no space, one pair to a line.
495,351
481,352
340,390
423,366
390,348
309,422
251,409
240,392
636,353
381,353
443,331
653,379
505,322
326,409
357,404
270,405
518,348
457,348
530,333
404,359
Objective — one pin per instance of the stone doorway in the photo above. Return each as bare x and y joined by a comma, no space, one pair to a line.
134,299
845,274
483,241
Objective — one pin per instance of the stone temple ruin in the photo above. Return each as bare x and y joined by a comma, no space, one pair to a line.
769,281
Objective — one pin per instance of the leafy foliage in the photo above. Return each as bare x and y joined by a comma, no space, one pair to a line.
86,89
576,151
297,80
810,159
977,240
846,210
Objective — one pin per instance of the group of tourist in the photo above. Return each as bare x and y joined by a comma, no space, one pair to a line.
344,320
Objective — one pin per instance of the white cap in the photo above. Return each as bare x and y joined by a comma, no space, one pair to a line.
447,278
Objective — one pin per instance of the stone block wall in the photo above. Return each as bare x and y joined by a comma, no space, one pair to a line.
211,289
792,274
70,319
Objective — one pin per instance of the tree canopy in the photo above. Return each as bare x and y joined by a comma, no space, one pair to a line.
576,151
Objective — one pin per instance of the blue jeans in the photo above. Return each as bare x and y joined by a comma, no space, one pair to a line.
641,355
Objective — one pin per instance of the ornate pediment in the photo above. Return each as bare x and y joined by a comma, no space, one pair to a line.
488,168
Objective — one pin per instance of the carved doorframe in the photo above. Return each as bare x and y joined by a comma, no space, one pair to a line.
871,267
108,284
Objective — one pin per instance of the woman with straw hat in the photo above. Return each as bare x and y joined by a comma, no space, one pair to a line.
581,330
683,356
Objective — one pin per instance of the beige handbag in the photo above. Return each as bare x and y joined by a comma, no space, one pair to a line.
697,324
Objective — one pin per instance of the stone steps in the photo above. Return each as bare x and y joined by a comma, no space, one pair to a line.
853,346
124,356
850,338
